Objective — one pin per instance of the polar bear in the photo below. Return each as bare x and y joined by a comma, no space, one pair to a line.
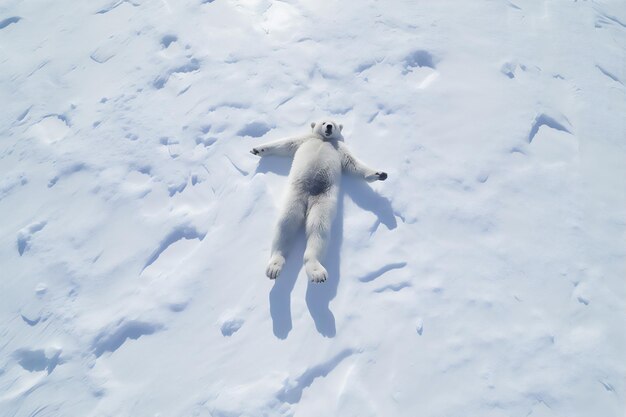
313,187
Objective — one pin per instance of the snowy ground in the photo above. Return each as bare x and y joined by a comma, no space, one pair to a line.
485,277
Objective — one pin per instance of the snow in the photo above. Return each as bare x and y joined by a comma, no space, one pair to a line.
485,277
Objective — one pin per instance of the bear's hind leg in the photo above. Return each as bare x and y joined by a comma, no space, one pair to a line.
318,221
289,222
275,266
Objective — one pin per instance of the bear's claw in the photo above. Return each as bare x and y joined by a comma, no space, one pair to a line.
275,266
316,272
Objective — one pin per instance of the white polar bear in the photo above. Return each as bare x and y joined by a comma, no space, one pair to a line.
313,187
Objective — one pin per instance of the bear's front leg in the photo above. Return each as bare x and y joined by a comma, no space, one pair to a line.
349,163
284,147
376,176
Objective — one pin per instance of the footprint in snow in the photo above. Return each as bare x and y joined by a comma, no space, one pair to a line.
229,327
8,21
111,339
24,237
37,360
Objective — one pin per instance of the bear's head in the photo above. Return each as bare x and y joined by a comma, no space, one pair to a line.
328,129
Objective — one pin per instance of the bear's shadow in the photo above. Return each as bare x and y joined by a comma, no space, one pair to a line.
319,296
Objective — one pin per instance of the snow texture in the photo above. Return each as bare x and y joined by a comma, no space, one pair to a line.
485,277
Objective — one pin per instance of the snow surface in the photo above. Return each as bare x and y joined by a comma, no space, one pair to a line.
485,277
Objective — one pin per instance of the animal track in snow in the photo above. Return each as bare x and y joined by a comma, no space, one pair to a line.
110,341
419,327
482,177
65,172
8,21
206,142
167,40
377,273
508,69
52,128
191,66
176,188
181,232
255,129
229,327
545,120
292,390
419,58
37,360
195,179
420,67
365,66
25,236
102,55
107,49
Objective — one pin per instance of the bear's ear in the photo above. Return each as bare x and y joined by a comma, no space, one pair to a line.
340,128
312,125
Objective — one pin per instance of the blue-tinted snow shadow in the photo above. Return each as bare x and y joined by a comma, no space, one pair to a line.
366,198
274,164
319,296
280,295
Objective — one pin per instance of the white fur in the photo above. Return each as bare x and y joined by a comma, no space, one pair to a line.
313,186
